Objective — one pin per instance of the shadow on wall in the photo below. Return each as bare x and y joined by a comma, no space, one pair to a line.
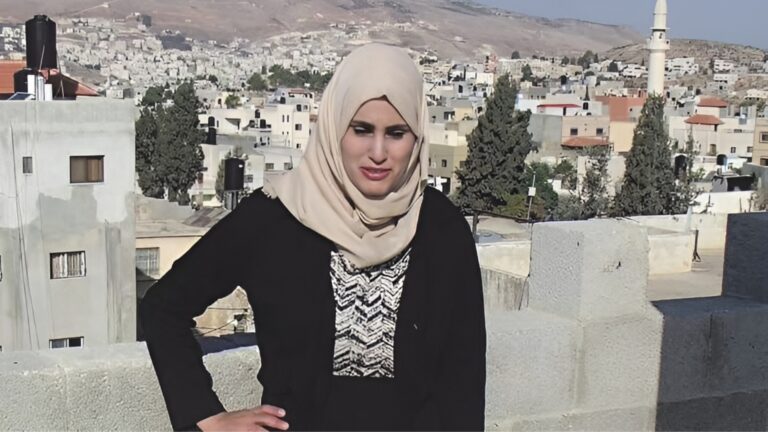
714,352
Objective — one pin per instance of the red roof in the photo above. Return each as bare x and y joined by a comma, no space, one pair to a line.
704,119
559,106
712,102
63,86
582,142
7,69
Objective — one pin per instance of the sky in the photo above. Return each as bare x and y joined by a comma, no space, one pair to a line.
735,21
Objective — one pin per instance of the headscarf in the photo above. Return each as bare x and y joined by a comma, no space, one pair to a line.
320,195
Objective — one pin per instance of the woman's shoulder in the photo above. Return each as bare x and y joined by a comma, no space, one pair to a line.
438,208
259,208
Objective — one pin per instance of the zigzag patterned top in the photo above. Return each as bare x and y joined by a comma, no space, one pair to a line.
367,301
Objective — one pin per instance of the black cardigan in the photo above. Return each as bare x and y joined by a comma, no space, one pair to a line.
284,268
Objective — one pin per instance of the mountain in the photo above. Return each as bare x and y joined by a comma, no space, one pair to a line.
450,27
702,51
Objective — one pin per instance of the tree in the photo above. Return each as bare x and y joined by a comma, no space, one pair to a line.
543,174
648,187
149,178
213,79
613,67
515,55
567,171
565,61
587,59
594,192
232,101
237,153
498,146
257,83
527,73
153,96
168,155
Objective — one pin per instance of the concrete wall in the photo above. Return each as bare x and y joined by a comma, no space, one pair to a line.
588,353
43,213
711,226
724,202
512,257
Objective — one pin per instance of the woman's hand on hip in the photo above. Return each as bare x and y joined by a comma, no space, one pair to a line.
256,419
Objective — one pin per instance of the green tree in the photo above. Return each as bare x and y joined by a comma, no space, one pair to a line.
213,79
257,83
613,67
527,73
232,101
544,191
594,192
567,172
565,61
237,152
648,187
177,153
587,59
498,146
149,178
515,55
153,96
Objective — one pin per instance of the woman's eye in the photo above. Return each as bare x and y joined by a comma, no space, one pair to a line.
397,134
360,130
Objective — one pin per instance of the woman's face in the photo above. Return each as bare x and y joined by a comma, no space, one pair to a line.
376,148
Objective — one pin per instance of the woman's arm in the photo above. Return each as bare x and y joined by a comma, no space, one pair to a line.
208,271
461,393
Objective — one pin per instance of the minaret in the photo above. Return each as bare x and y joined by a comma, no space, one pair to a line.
658,45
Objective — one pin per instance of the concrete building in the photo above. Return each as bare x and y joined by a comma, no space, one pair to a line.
558,136
658,45
760,143
66,223
447,152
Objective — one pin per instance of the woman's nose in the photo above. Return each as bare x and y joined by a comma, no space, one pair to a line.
378,150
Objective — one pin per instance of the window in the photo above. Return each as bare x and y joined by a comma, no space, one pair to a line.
763,161
287,165
749,149
462,164
763,136
298,126
574,131
600,131
72,342
733,150
26,165
67,265
444,163
86,169
1,268
287,119
249,178
269,166
147,261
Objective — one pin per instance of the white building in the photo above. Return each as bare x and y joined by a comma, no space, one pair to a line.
67,256
682,66
634,71
723,66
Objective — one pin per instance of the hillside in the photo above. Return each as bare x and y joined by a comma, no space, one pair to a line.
450,27
703,51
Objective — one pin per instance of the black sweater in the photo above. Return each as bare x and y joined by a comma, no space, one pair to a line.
284,268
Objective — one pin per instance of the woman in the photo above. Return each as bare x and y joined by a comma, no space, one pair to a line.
365,284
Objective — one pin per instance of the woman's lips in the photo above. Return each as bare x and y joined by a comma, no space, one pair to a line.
375,174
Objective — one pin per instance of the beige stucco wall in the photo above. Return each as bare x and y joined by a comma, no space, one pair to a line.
621,136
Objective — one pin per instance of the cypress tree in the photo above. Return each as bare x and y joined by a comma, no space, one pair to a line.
498,146
649,186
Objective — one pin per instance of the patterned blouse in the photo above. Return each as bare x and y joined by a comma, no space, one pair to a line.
367,301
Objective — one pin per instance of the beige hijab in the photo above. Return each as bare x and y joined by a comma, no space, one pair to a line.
320,194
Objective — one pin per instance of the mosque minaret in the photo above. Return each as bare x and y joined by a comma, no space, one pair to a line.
658,45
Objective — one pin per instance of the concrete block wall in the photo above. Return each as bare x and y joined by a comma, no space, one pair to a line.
589,353
589,342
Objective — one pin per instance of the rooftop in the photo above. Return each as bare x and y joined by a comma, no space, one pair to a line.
704,119
712,102
583,142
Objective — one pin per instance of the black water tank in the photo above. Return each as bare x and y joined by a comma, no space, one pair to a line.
211,137
262,124
234,174
681,166
41,43
212,121
20,80
721,159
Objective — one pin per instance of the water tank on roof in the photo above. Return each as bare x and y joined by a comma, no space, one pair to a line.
41,43
211,136
20,81
211,121
234,174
